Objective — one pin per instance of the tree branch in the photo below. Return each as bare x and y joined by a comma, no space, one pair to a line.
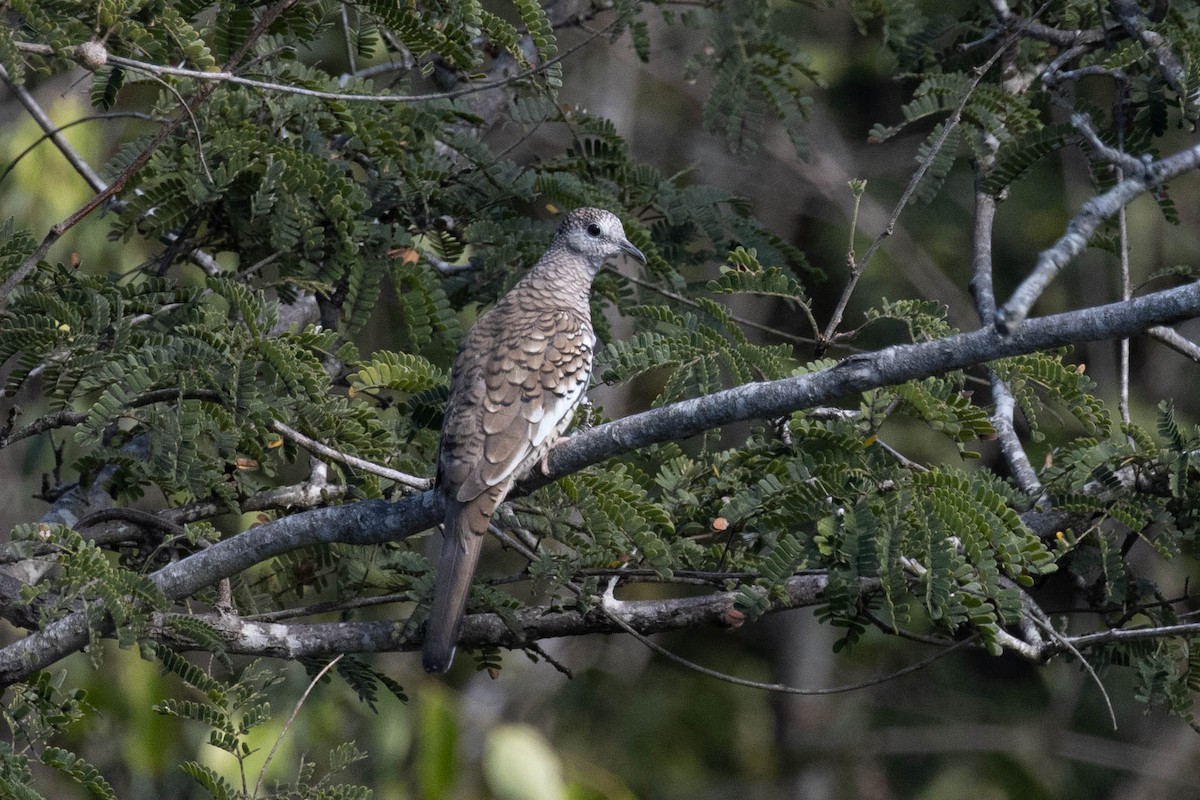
859,373
1045,33
1130,16
376,521
985,302
100,198
214,79
526,625
1176,342
325,451
1081,228
53,133
857,267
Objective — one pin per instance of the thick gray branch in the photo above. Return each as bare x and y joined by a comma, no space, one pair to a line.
527,625
888,367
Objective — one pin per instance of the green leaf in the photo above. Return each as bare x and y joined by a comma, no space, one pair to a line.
403,372
217,787
79,771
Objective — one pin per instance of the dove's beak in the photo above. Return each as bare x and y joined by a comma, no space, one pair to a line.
628,247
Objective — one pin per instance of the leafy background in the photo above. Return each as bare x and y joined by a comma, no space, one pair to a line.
727,135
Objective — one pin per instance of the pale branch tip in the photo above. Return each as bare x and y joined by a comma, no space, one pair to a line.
325,451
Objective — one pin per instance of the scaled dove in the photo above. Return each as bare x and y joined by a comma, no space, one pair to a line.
520,372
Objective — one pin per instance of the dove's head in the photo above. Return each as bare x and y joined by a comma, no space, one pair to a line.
595,234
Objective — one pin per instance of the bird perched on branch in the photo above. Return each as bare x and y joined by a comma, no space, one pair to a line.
520,372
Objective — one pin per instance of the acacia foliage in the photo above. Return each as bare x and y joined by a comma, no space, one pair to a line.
164,384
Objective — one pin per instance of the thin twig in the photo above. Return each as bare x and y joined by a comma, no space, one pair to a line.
540,651
101,197
1123,234
858,267
781,688
328,607
1066,642
893,630
1186,629
611,608
133,516
346,36
1083,226
325,451
191,115
225,76
67,417
262,773
687,301
53,133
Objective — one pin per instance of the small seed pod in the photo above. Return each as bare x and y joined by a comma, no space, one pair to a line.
92,55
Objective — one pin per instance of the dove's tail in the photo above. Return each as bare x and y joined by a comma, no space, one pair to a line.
461,545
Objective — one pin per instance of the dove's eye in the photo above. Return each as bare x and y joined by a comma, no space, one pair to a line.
593,229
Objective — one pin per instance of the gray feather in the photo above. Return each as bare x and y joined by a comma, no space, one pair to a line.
456,566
